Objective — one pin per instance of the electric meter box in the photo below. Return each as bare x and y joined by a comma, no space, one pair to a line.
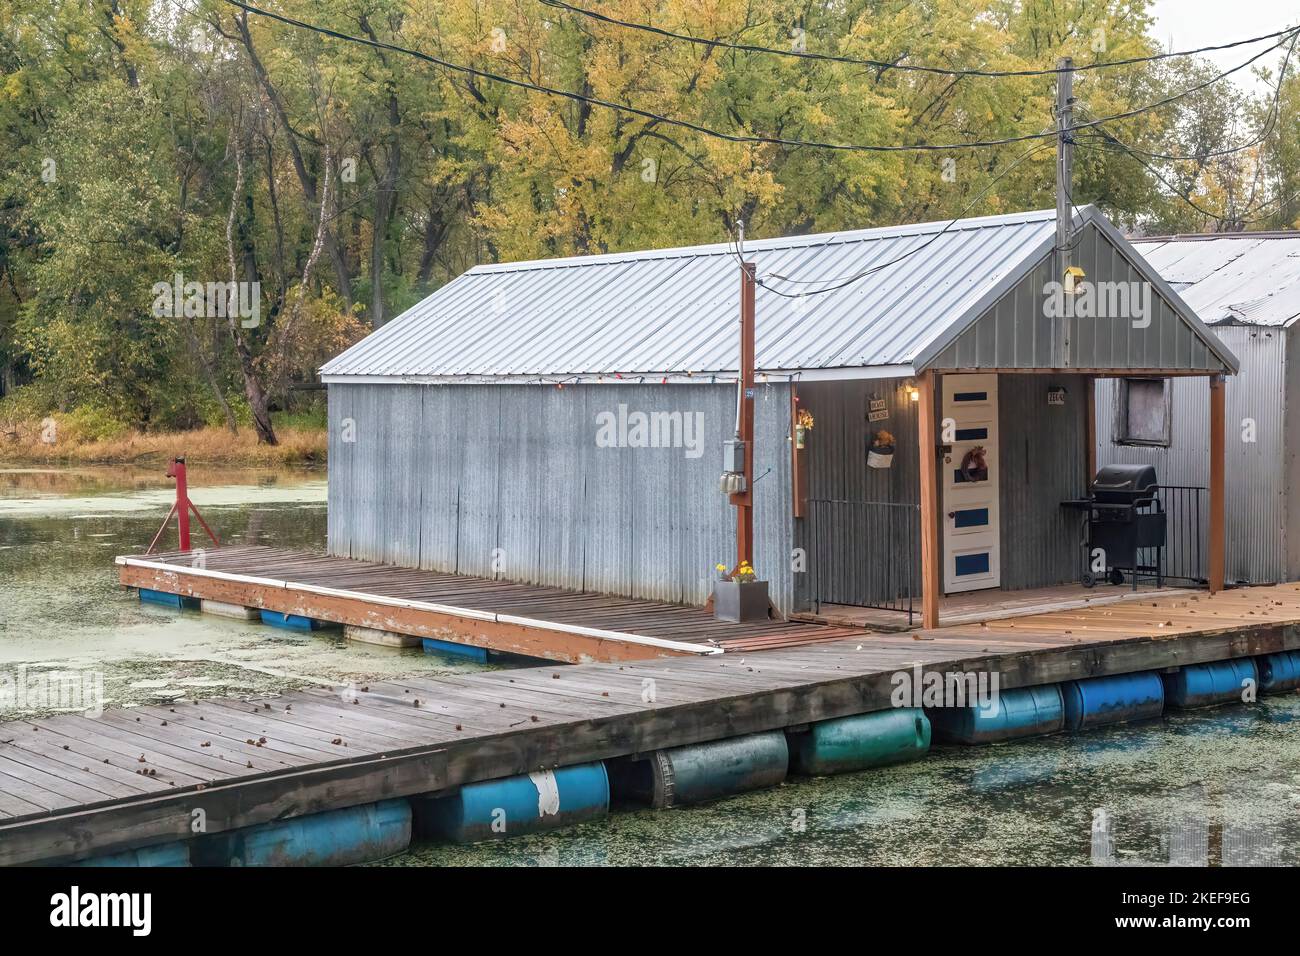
733,456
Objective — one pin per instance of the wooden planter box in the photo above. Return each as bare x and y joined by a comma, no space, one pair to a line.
733,601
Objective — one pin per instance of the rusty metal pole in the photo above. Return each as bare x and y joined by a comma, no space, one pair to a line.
1218,481
177,470
744,500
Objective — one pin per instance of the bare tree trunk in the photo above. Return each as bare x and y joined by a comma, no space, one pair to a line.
305,179
253,390
210,374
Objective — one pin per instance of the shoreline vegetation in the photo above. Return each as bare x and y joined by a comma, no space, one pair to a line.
37,443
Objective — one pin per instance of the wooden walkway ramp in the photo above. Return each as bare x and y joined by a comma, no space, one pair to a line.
76,785
542,622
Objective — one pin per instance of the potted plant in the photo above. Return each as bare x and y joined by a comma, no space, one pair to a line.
803,424
881,452
738,595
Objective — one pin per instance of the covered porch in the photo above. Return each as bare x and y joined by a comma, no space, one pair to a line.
956,483
949,498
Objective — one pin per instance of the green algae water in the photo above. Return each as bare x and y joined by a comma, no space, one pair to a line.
62,610
1219,787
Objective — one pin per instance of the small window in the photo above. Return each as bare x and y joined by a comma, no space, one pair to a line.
1142,412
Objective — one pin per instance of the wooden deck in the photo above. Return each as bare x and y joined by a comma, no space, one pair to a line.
72,786
991,605
542,622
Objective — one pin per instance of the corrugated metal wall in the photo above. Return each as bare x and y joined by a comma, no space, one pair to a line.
453,478
856,553
853,551
1257,471
1016,332
1043,463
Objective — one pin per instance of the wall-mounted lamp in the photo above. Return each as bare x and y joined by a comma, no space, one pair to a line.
913,393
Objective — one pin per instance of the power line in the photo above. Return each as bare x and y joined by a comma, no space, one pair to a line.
1232,220
1274,112
885,64
842,281
718,134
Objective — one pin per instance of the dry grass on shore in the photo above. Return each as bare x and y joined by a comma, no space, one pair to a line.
298,446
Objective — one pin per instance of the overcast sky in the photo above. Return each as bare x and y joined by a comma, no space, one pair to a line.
1193,23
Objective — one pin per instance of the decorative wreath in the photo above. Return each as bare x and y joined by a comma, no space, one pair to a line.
973,462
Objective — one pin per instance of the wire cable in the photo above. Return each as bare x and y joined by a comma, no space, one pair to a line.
842,281
718,134
886,64
1274,112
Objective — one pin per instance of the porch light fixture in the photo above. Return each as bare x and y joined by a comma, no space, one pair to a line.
913,393
1073,276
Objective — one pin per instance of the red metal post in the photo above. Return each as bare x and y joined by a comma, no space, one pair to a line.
177,470
181,508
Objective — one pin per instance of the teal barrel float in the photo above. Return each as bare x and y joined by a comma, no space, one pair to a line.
1204,685
1024,712
333,838
1279,673
166,599
515,806
164,854
856,743
699,772
1097,701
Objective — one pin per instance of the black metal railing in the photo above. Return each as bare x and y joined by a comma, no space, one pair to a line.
864,553
1183,551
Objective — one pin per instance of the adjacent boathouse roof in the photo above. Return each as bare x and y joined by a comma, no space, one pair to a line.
1244,278
916,302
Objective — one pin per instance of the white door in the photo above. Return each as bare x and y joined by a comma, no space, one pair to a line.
970,480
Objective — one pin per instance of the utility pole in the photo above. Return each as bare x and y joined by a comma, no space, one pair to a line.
1064,187
744,499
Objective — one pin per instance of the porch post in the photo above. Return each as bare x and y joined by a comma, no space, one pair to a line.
1218,448
927,446
1089,430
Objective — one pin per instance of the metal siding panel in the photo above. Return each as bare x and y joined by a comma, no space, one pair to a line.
1256,495
1042,453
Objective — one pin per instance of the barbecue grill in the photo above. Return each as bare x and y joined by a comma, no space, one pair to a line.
1126,521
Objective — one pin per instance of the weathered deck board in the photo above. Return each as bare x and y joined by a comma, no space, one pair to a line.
72,786
348,591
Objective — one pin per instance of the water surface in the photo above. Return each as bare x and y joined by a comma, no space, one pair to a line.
1217,786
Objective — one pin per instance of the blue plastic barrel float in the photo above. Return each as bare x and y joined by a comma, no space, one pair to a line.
1278,673
1204,685
164,854
856,743
167,599
433,645
1023,712
1097,701
679,776
333,838
515,806
290,622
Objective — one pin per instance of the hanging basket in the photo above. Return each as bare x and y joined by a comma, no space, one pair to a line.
800,437
880,456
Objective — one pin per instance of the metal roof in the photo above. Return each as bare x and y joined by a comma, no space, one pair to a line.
673,312
1239,279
